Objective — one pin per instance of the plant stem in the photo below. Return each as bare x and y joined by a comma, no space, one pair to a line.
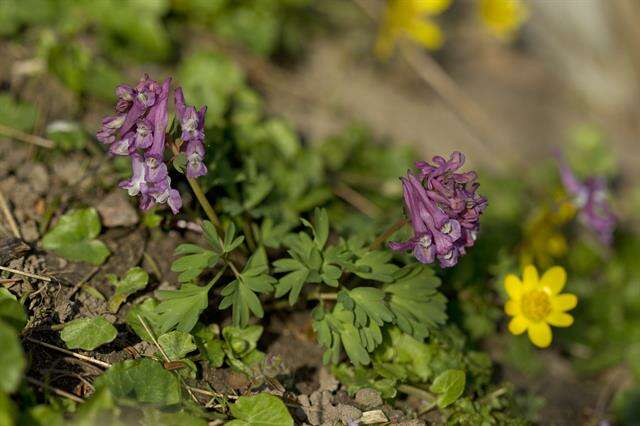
417,392
386,234
202,199
322,296
25,137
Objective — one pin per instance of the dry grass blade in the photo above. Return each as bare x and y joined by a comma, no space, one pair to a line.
57,391
73,354
26,274
25,137
4,205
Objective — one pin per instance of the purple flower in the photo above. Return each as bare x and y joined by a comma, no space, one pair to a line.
590,197
192,126
139,130
444,210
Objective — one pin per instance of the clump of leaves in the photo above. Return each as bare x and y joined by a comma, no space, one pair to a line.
74,237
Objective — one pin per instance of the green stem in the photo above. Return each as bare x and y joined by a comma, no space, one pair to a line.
202,199
322,296
386,234
417,392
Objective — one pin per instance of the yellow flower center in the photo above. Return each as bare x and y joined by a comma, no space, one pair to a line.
536,305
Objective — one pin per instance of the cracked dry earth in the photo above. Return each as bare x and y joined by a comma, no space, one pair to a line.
37,193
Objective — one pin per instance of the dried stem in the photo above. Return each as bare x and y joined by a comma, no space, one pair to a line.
356,199
73,354
25,137
386,234
447,89
57,391
26,274
7,213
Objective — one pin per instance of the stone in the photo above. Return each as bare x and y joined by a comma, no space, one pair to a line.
348,414
368,398
116,210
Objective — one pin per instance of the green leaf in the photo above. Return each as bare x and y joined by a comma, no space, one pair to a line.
260,410
73,237
146,310
9,412
292,283
210,79
180,309
154,417
356,378
67,135
415,300
12,362
320,228
176,344
195,260
241,341
336,330
136,279
241,292
210,346
369,304
374,265
180,162
12,313
88,333
143,380
16,114
450,385
256,191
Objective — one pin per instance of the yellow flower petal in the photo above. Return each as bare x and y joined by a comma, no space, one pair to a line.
540,334
512,308
426,33
530,277
564,302
513,286
431,7
518,325
554,279
559,319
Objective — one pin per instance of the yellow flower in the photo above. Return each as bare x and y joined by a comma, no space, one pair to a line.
536,303
543,239
503,18
409,18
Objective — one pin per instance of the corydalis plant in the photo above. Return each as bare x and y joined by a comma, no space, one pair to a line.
444,210
138,130
590,197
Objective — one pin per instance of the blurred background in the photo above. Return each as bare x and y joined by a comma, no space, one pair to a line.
505,82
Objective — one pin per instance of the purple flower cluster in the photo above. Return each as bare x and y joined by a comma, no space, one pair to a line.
444,210
590,197
192,125
138,130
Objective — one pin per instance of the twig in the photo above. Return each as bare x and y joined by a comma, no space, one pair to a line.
73,354
57,391
212,394
26,274
356,199
25,137
386,234
7,213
